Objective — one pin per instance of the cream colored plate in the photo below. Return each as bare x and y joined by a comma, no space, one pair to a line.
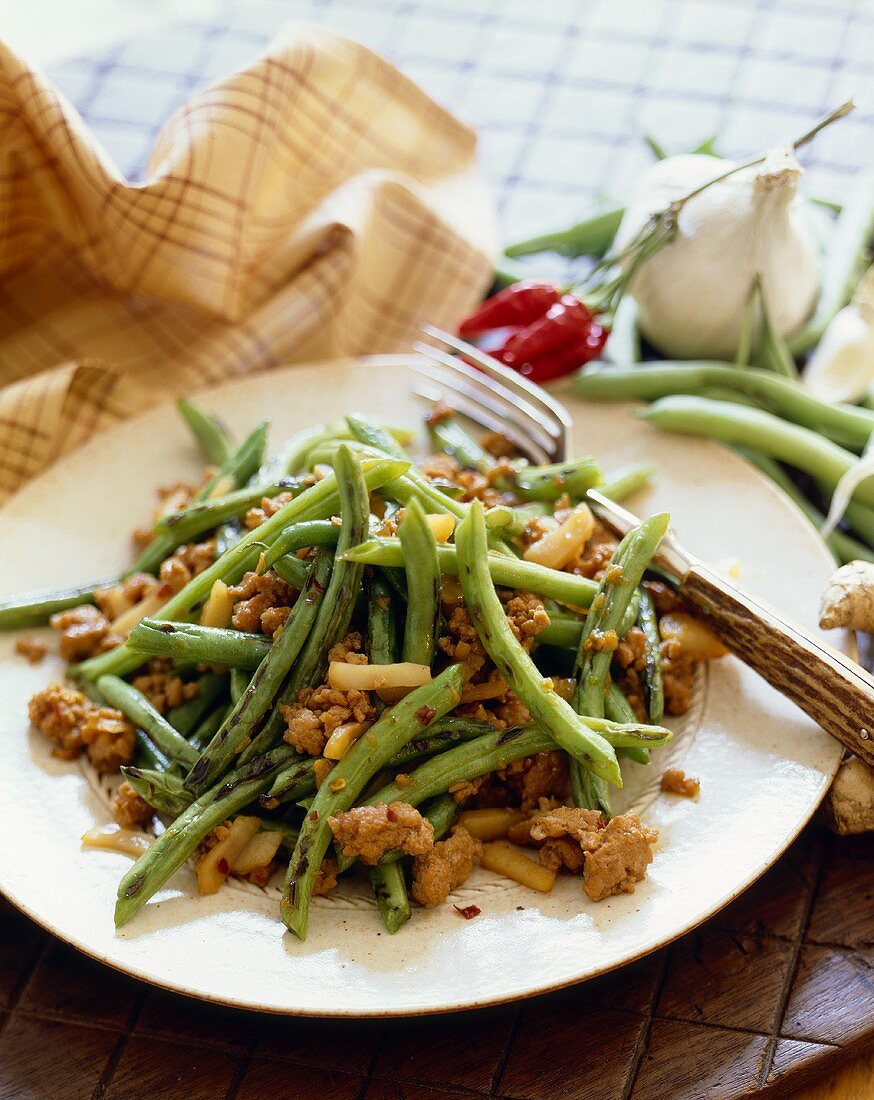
763,765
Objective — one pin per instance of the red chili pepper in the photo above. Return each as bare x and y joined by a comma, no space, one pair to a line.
517,305
561,325
567,359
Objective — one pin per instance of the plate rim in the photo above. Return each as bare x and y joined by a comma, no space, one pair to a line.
468,1003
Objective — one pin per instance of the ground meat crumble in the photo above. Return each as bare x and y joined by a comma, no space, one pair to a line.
675,781
130,809
75,724
612,856
31,648
445,867
368,832
162,687
262,603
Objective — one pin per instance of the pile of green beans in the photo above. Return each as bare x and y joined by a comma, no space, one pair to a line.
223,750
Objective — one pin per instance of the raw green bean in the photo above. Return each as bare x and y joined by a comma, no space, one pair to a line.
35,608
184,718
313,503
844,261
447,435
591,237
627,481
398,725
508,572
208,645
652,670
423,586
787,398
181,838
390,890
515,665
240,725
162,790
748,326
761,431
135,706
211,436
615,592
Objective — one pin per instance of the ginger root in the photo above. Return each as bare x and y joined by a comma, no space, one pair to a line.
848,598
849,805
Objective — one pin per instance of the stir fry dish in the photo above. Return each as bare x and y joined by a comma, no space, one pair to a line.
334,661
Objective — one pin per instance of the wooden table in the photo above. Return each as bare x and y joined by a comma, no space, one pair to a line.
777,990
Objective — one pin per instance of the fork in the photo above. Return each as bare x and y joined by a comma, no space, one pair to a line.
830,687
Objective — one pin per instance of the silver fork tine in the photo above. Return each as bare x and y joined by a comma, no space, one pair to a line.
484,395
474,411
511,379
493,386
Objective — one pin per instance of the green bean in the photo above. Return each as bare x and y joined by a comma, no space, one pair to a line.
182,837
207,430
35,608
548,483
239,681
382,642
615,591
146,749
206,514
843,263
423,586
211,688
487,614
591,237
843,546
205,644
630,616
565,630
313,503
203,733
447,435
390,890
135,706
442,735
511,522
761,431
588,790
162,790
652,670
785,397
369,754
299,536
294,782
626,482
243,463
508,572
292,570
238,728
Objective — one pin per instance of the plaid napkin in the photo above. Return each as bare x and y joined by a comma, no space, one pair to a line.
315,205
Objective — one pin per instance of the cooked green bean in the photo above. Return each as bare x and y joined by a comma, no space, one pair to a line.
548,483
789,399
423,585
588,790
203,515
242,463
208,645
292,570
211,436
511,522
615,592
441,812
652,671
295,781
627,481
317,502
147,751
238,728
36,608
382,644
447,435
761,431
239,681
182,837
135,706
162,790
390,890
398,725
204,732
508,572
314,532
184,718
487,614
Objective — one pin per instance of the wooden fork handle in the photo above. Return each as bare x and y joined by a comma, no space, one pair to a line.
835,691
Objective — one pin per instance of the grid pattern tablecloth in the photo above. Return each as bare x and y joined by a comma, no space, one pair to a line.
560,90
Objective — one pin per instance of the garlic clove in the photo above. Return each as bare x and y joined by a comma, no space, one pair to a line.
841,368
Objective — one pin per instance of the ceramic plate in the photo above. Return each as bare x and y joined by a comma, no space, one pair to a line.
763,765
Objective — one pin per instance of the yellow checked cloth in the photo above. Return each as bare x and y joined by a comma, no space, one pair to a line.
316,205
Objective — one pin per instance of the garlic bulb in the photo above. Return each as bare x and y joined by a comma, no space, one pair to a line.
692,291
842,366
